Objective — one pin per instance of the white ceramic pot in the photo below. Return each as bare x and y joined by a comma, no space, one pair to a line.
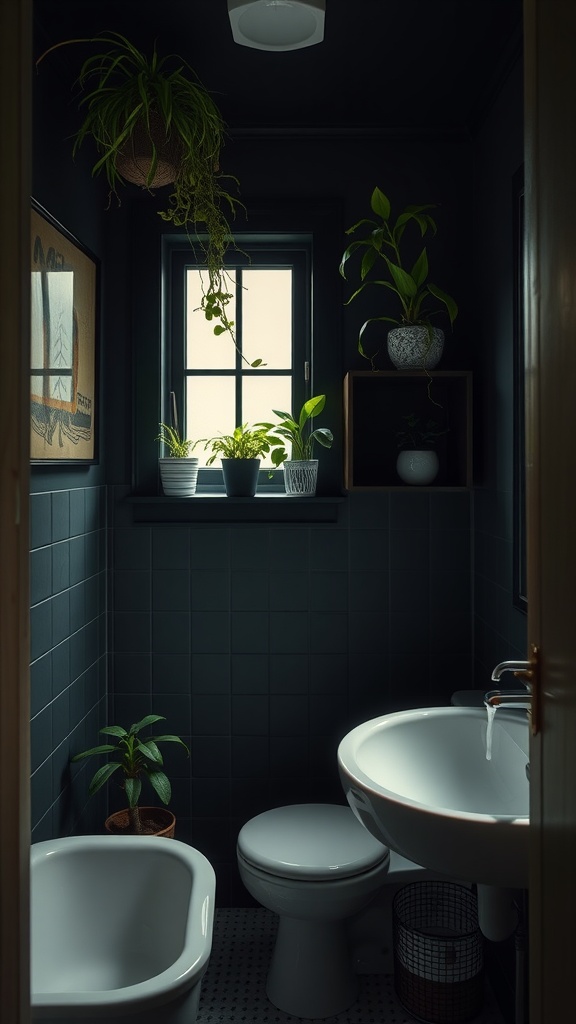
179,477
417,467
410,348
300,478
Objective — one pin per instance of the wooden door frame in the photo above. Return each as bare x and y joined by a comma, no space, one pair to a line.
550,163
15,162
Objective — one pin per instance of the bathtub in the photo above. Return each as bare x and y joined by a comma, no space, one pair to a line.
121,929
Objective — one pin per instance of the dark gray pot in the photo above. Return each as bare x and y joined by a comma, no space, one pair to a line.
240,477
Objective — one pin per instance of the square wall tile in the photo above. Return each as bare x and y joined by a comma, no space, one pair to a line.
131,590
210,590
60,515
288,715
249,673
369,550
210,673
409,510
289,632
132,548
289,548
170,590
328,549
249,632
289,591
249,548
249,589
328,632
289,673
368,591
249,715
170,632
170,547
209,548
328,674
250,757
211,714
131,673
329,591
210,632
40,520
40,575
170,673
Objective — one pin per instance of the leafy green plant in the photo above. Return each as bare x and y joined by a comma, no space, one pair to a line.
178,447
244,443
417,434
418,298
299,432
136,758
129,96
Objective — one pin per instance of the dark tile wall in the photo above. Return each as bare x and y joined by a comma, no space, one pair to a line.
499,627
68,654
263,645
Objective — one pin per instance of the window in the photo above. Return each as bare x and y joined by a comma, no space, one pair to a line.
216,388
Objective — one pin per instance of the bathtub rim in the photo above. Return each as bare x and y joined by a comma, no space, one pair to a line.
175,979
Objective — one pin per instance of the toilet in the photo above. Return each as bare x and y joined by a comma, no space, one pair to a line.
315,866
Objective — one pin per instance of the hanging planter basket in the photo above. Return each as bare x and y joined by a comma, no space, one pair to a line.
135,157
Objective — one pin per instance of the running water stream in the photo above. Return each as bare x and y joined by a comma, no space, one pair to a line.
491,713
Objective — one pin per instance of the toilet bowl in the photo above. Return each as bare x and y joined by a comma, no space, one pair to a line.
315,866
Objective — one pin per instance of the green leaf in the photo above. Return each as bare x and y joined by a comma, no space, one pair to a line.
172,739
104,748
114,730
324,436
148,720
405,286
150,750
419,271
132,788
161,785
102,776
380,204
446,299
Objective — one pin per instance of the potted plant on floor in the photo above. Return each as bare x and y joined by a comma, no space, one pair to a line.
415,342
417,461
136,757
240,456
301,469
154,124
179,469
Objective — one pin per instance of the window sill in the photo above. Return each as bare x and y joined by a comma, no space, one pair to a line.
218,508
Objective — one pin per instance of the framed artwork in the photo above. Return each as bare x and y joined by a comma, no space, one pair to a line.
63,377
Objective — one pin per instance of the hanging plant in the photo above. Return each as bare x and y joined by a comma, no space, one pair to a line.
154,123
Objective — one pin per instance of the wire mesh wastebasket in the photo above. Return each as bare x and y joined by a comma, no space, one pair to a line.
438,952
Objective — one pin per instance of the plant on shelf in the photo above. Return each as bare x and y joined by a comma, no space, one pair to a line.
154,123
179,469
299,478
136,757
240,454
419,301
419,434
417,461
179,448
244,443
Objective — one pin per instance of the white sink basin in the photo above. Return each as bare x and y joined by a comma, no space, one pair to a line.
420,782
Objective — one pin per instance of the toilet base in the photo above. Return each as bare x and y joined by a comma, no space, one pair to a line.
311,974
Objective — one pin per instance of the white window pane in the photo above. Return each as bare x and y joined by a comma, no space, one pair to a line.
260,395
209,410
267,317
204,350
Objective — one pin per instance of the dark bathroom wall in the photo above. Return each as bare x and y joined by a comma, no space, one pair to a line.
68,526
499,626
264,644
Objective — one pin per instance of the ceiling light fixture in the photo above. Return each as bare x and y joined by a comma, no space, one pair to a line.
277,24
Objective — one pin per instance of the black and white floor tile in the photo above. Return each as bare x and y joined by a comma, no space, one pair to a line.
234,986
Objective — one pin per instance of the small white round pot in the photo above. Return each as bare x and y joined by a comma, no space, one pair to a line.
417,467
300,478
410,348
179,477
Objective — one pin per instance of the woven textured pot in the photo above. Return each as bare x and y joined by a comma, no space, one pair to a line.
156,821
410,348
133,160
300,478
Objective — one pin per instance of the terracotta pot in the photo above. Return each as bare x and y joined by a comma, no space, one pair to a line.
156,821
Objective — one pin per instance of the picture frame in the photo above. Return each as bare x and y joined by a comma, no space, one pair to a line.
63,345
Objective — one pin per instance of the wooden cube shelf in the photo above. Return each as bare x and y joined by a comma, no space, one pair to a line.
374,404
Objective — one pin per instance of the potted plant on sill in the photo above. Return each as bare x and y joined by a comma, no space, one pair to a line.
154,124
301,470
136,757
417,461
179,470
240,456
415,342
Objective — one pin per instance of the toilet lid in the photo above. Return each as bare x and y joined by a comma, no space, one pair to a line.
310,841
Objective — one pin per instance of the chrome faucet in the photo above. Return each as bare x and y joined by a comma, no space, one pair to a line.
508,699
511,698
